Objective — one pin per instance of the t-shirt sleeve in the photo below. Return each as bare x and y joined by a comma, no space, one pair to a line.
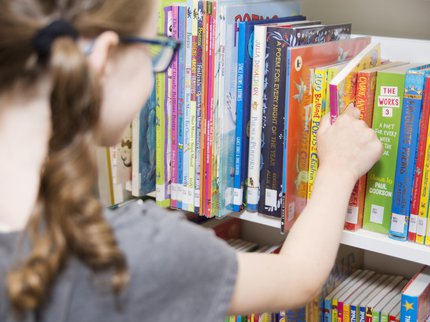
179,270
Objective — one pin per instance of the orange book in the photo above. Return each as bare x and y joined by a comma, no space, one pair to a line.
298,107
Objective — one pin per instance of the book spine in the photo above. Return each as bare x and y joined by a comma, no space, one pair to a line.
353,314
327,310
375,316
159,129
421,175
362,314
334,310
186,201
409,309
272,125
334,103
174,115
412,105
384,317
258,68
181,91
380,179
199,105
427,238
212,105
193,111
239,140
424,189
369,314
319,89
346,317
340,307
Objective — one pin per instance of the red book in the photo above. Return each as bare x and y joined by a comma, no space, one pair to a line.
419,163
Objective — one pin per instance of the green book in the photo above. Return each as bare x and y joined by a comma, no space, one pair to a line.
386,123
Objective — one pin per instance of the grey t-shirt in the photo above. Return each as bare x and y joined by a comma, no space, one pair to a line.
179,272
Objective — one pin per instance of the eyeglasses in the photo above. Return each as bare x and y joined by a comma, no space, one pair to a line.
162,50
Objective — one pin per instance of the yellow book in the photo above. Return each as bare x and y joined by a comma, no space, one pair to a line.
318,95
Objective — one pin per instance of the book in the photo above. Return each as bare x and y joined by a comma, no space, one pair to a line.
343,85
342,307
415,303
243,103
361,299
418,216
381,295
364,101
408,139
327,304
377,311
386,123
274,103
392,305
296,131
104,176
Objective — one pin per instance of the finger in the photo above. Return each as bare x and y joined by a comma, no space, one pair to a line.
352,111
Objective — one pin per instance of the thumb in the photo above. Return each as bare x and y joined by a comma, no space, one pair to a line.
352,111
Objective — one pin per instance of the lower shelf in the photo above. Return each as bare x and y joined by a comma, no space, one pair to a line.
363,239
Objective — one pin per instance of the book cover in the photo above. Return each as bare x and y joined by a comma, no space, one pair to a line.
243,102
274,106
364,100
386,123
415,303
417,220
296,131
408,139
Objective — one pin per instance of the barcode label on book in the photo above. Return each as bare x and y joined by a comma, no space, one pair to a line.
160,193
253,195
237,196
291,210
188,196
228,197
377,214
271,198
413,222
398,223
196,198
175,191
352,215
421,226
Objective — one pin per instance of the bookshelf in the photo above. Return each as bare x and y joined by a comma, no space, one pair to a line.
413,50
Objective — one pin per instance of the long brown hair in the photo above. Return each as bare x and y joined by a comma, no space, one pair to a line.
67,219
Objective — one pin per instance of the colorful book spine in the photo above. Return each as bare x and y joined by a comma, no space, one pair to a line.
187,200
319,90
364,100
174,115
258,73
193,111
182,10
386,123
408,139
199,104
421,185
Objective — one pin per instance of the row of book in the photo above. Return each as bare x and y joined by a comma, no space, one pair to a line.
370,296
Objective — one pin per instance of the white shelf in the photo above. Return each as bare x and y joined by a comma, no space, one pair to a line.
362,239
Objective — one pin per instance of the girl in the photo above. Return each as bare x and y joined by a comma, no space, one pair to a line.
74,73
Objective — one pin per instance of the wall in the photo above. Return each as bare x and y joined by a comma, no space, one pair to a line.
391,18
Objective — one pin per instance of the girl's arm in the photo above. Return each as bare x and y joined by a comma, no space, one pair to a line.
270,283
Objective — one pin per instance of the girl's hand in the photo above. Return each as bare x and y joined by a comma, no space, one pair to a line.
348,146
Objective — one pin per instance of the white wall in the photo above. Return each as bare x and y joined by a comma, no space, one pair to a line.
395,18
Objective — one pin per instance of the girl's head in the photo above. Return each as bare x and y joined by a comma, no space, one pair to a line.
94,85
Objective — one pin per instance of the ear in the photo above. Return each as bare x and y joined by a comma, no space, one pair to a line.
103,45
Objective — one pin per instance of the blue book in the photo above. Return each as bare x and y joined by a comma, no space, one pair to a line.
243,102
182,10
147,146
408,141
